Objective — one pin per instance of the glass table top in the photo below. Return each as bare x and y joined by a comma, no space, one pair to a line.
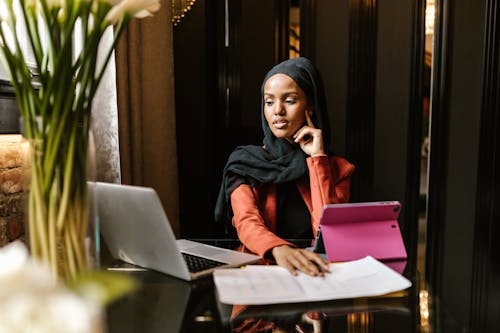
167,304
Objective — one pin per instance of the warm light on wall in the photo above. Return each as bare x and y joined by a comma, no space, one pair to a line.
361,322
429,17
180,8
424,311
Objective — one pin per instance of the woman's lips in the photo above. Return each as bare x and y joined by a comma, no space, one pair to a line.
280,124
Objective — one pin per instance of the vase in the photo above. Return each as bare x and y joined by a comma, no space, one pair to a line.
61,219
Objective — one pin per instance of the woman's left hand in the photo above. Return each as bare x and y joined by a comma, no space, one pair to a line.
310,138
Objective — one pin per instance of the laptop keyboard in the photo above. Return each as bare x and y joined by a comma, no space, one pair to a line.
197,264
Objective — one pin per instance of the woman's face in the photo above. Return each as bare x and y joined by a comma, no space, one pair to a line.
285,105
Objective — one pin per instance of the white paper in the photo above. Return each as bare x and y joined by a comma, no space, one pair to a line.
259,284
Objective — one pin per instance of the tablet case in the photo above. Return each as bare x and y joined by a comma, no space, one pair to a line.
355,230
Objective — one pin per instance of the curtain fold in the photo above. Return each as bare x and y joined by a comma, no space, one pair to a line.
146,108
105,119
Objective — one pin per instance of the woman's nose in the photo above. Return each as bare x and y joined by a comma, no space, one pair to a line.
279,108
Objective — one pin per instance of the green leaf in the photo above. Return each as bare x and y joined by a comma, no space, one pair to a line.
102,286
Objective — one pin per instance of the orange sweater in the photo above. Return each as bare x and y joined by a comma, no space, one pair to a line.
255,208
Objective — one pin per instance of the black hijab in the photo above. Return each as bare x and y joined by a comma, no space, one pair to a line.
280,161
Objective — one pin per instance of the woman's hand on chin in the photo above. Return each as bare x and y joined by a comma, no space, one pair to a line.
310,138
296,259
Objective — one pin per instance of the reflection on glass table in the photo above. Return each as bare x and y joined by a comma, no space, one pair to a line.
163,304
372,315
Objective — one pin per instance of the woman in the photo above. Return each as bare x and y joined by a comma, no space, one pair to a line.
277,192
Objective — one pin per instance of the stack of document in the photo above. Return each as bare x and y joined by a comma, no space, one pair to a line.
259,284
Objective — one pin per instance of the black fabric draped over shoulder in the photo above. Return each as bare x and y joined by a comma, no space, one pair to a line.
280,161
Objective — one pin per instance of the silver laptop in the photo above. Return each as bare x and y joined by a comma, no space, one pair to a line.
137,231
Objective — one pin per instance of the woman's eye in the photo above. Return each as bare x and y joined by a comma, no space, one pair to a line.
269,103
290,101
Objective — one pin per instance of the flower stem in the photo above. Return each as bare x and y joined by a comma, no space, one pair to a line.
67,180
38,213
53,200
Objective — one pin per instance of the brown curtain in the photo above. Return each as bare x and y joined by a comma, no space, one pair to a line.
146,109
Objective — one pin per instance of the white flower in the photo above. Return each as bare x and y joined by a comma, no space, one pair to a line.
17,270
4,11
32,301
12,258
48,311
137,8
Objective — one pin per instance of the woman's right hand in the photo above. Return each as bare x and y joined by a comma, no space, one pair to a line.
296,259
310,138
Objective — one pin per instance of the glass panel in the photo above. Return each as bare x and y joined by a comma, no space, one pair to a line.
425,145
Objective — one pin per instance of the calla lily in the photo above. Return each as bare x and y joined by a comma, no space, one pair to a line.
132,8
4,12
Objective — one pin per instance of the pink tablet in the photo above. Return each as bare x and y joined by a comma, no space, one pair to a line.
356,230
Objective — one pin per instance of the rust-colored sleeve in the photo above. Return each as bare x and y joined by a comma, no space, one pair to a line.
249,222
329,179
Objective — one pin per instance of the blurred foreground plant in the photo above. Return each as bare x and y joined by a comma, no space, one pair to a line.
55,96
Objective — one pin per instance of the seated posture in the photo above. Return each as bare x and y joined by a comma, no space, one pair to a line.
277,191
